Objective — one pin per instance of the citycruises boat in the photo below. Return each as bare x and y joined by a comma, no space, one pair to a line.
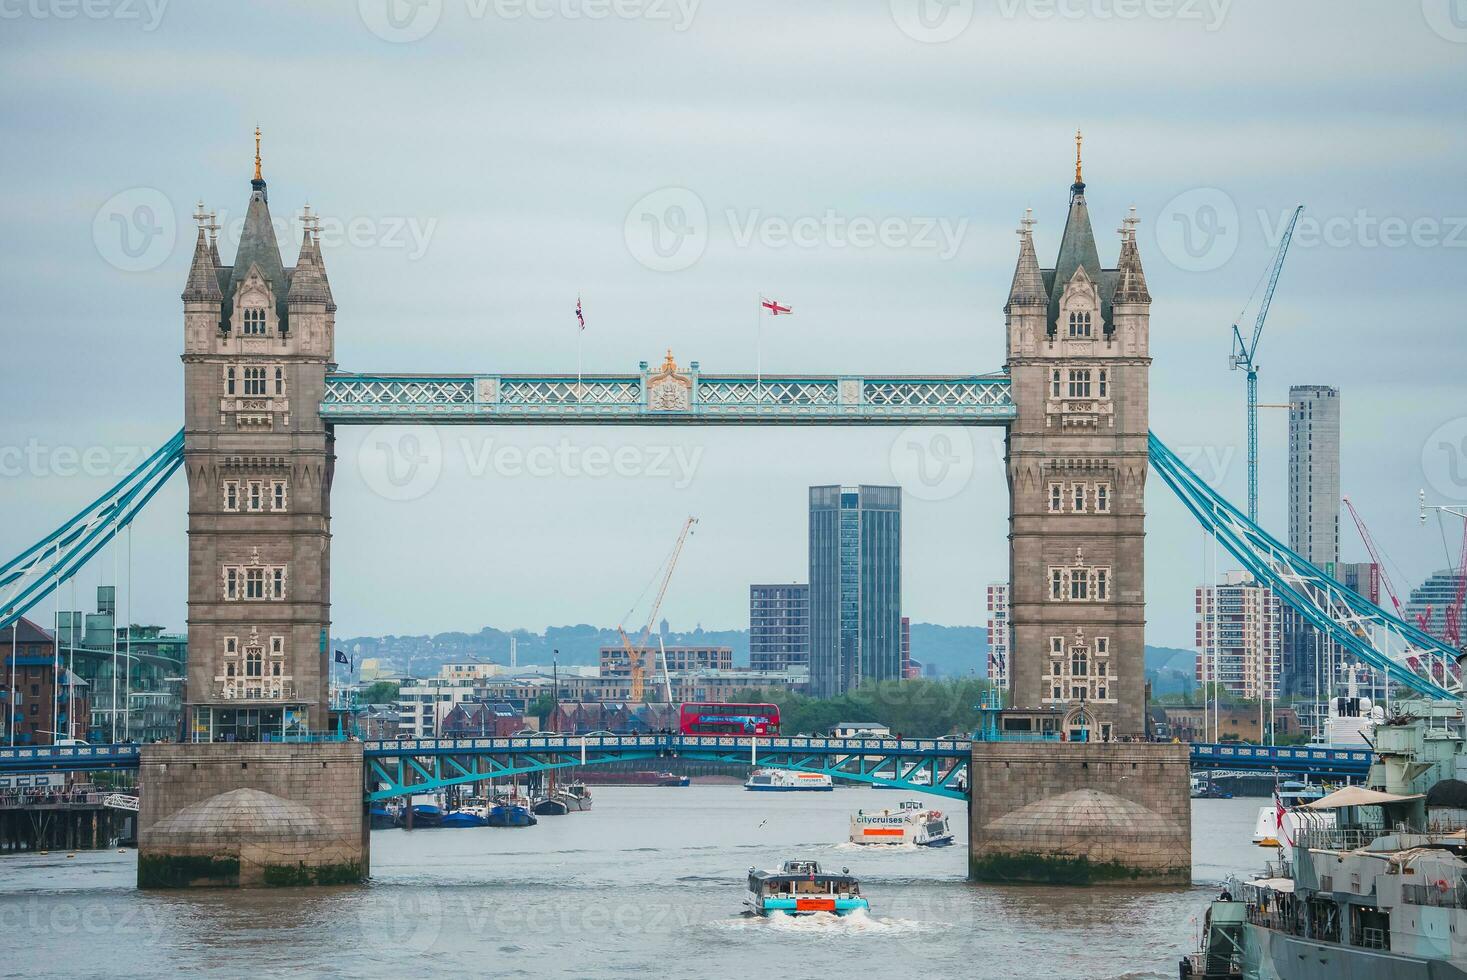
801,888
911,823
785,781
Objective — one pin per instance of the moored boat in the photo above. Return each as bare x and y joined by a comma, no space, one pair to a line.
801,888
785,781
510,811
911,823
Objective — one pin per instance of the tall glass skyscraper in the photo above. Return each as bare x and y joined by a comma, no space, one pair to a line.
1314,523
855,586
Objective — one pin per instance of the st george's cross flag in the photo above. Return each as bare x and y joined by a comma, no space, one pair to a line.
774,308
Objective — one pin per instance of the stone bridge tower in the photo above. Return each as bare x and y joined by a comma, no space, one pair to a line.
1077,460
258,342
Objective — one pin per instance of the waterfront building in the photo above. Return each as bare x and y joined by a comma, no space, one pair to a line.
493,719
1314,524
1227,723
855,586
135,673
1429,602
422,704
779,626
615,662
47,701
998,637
1238,636
469,671
377,721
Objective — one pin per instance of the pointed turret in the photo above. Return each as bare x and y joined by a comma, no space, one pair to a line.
308,278
203,278
1028,286
1077,246
1131,280
258,248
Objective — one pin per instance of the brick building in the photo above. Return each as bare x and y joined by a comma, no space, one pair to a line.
39,713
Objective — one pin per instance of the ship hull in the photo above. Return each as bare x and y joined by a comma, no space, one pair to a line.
1269,955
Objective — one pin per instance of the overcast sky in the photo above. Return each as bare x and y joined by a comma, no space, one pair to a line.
479,164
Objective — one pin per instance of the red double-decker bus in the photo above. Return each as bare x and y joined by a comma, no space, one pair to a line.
728,719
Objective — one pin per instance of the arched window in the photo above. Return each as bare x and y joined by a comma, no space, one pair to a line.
280,381
1080,323
1079,662
254,663
254,321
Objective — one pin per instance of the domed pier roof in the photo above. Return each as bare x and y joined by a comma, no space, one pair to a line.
247,812
1083,811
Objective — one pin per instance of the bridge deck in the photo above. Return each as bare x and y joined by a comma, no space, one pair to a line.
676,399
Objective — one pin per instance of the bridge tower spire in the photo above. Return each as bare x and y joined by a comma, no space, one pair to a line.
259,339
1077,338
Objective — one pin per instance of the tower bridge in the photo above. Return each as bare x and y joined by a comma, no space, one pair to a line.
263,396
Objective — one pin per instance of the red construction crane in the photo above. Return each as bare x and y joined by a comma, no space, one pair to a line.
1385,578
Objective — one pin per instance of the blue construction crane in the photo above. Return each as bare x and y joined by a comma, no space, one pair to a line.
1243,358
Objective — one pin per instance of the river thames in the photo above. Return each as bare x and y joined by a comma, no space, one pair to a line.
649,882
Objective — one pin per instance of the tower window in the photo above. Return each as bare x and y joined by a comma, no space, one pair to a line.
231,495
1079,498
1056,498
254,321
1079,383
254,381
253,662
229,381
1102,498
1054,384
1080,324
256,497
277,495
254,583
1104,384
280,381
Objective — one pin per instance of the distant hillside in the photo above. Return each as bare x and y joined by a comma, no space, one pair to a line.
953,651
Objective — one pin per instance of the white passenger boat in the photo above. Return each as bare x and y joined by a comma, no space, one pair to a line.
785,781
911,823
1278,825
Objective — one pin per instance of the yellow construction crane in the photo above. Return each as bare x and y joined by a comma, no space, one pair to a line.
639,675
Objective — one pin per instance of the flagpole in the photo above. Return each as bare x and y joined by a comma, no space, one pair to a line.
758,348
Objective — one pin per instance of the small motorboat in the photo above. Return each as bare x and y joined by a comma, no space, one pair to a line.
383,816
510,811
576,797
550,806
424,810
911,823
466,817
801,888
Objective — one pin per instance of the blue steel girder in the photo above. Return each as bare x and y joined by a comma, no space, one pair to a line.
646,398
887,762
1374,637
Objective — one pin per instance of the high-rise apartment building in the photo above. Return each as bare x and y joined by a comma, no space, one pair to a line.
1314,473
998,636
1314,522
855,586
779,626
1238,636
